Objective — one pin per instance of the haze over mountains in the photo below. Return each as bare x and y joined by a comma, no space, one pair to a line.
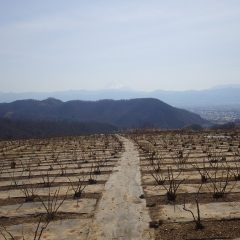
61,116
123,114
220,95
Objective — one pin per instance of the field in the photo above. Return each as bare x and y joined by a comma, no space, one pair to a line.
191,183
141,185
53,183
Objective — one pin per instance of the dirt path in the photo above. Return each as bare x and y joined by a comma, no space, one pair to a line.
121,214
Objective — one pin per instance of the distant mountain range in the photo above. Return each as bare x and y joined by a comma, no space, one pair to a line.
123,114
220,95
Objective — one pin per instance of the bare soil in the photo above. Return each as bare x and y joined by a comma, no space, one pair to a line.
121,213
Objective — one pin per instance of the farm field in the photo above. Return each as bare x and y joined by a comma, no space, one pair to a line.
54,184
191,183
140,185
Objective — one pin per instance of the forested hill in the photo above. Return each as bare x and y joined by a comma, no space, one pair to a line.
123,114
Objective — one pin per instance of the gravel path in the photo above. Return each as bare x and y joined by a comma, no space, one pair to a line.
121,214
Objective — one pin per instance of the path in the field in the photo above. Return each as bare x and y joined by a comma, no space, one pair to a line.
121,214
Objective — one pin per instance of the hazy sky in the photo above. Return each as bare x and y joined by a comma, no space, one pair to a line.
50,45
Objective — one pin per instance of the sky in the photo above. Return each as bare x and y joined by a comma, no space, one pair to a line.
146,45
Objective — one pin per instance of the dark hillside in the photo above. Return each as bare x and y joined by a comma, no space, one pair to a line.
134,113
17,129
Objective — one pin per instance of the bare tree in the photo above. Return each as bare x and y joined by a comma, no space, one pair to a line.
202,171
79,187
155,170
92,179
40,228
220,179
197,216
53,203
47,180
28,189
180,157
172,184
